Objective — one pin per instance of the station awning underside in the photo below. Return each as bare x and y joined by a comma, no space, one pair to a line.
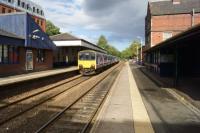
189,37
21,25
11,39
69,40
79,43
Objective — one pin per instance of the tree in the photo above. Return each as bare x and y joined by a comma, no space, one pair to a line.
103,43
131,51
51,29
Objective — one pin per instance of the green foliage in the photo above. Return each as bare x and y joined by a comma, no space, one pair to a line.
51,29
131,51
103,43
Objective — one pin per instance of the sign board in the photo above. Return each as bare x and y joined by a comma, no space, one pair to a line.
29,60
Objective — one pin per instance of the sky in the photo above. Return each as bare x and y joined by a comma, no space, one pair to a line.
120,21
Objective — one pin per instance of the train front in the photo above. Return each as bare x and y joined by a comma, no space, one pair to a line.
87,62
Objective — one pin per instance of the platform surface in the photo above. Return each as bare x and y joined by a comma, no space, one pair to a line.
34,75
123,111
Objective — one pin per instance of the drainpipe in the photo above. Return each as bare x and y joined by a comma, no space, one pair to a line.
176,75
193,13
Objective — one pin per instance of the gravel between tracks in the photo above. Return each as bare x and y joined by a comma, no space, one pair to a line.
33,119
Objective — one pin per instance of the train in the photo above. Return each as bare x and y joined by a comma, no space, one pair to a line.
90,62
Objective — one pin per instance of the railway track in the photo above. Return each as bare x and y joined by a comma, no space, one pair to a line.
30,118
77,118
37,93
13,110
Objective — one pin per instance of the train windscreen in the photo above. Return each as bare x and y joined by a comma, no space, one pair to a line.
86,56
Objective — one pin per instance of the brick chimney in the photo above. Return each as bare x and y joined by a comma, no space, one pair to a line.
176,1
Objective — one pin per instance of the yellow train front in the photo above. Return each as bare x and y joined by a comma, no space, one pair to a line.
90,61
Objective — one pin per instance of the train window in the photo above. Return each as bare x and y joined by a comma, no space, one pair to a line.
87,56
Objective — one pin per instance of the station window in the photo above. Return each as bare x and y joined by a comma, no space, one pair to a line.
23,4
38,21
1,54
27,6
10,1
5,54
9,54
18,2
166,35
41,12
41,23
40,55
3,10
33,9
38,11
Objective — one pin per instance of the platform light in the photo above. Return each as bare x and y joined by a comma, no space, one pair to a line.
35,31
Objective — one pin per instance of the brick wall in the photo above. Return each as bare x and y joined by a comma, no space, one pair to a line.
170,23
10,69
7,69
48,61
40,21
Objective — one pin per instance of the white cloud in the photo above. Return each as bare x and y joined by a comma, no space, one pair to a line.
123,20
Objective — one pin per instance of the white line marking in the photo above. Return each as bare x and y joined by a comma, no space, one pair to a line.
142,123
183,101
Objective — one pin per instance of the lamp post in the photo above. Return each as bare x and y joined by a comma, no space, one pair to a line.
140,38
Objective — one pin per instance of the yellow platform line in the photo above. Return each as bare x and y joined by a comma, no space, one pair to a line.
100,115
142,123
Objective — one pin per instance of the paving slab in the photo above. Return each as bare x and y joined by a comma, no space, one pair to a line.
34,75
123,111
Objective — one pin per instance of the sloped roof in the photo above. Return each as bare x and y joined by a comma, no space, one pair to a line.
68,37
8,34
21,24
167,7
181,37
64,37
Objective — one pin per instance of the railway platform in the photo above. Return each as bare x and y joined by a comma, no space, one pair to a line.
35,75
124,110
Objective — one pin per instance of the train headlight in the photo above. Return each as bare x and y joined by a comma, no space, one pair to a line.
93,66
80,66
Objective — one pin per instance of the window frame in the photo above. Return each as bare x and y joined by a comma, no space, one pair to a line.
12,54
41,55
167,35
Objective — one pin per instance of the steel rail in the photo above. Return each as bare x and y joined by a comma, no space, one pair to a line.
38,93
39,103
56,116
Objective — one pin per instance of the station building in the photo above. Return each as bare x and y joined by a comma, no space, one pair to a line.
177,58
68,47
167,18
35,10
24,47
172,36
